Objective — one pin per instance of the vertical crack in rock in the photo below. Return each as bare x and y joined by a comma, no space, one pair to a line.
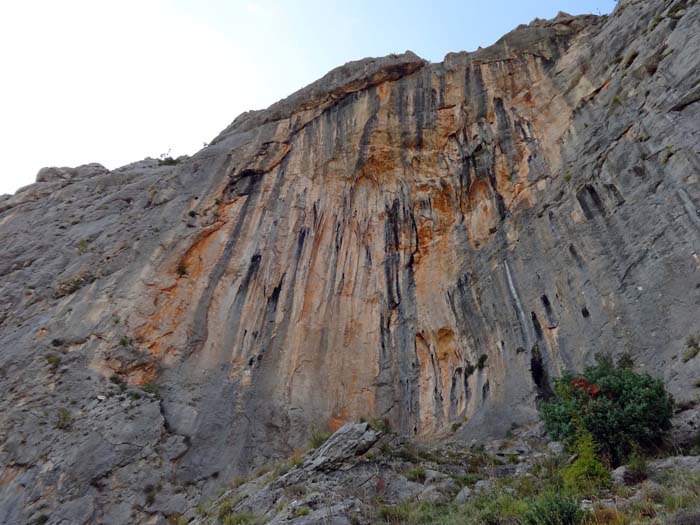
517,305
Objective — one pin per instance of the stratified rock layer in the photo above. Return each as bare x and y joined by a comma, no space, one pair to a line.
421,243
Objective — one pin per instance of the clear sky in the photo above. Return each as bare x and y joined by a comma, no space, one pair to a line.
116,81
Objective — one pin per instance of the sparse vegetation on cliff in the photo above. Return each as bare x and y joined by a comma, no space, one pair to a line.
53,360
693,348
414,484
64,419
318,437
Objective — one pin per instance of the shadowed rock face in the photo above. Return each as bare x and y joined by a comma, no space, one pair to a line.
423,243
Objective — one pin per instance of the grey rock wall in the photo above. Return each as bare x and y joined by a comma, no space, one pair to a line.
423,243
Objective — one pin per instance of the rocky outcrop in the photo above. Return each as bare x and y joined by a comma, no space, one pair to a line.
423,243
394,481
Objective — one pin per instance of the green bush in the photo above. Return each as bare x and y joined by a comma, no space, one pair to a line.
554,508
586,475
617,406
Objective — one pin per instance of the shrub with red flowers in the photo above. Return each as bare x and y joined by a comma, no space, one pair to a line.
617,406
583,388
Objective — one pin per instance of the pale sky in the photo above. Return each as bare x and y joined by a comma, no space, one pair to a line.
117,81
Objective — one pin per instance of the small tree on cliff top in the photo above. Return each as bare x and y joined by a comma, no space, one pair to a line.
619,407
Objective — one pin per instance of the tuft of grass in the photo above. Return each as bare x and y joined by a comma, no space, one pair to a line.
118,381
151,388
554,507
225,509
637,468
238,481
301,511
417,474
125,341
380,425
467,480
64,420
241,518
296,460
407,453
668,153
82,246
181,269
177,519
262,470
692,348
394,513
53,360
318,438
655,22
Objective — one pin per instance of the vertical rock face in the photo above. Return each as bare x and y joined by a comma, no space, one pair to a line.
424,243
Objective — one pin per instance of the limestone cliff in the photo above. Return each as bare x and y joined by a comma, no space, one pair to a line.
427,243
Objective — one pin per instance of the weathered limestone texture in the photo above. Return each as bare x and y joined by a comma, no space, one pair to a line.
421,243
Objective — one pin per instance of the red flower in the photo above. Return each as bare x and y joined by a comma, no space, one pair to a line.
580,383
593,390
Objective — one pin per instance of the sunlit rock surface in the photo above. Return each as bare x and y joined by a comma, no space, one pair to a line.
423,243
